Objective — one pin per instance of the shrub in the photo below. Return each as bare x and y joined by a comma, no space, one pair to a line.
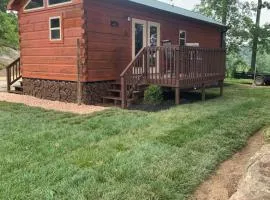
267,134
153,95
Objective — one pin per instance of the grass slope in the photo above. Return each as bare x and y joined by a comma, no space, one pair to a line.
121,154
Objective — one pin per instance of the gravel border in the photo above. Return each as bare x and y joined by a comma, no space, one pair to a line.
50,105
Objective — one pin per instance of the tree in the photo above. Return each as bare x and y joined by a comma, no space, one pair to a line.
259,33
3,5
8,27
232,13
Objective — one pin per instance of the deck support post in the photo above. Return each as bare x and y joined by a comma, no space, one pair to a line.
177,95
203,92
8,79
79,83
123,93
221,85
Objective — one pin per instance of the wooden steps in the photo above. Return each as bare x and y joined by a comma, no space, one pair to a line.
115,93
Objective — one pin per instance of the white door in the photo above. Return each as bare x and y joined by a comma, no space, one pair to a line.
146,33
153,34
139,38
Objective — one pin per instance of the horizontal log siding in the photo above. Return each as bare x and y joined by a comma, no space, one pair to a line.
110,48
45,59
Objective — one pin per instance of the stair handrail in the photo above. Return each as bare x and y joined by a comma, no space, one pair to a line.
132,76
13,72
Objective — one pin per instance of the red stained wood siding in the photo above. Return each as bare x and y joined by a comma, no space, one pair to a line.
110,48
45,59
106,50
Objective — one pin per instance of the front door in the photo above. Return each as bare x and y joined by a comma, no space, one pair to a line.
146,33
138,36
153,34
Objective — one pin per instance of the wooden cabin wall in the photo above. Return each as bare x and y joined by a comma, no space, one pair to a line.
110,48
45,59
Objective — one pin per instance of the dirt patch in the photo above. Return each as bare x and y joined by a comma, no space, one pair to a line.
50,105
223,184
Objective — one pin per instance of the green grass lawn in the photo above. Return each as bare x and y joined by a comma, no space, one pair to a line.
119,154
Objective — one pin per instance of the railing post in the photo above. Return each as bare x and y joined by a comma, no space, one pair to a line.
177,53
123,93
148,62
145,63
8,79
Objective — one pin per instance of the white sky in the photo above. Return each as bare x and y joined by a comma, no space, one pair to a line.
189,4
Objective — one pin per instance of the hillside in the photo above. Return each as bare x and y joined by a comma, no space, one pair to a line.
7,55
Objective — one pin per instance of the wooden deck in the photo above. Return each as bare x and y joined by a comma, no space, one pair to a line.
174,66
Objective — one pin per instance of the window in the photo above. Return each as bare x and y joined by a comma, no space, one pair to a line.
34,4
55,28
182,38
55,2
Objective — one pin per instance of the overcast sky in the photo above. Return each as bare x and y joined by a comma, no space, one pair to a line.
189,4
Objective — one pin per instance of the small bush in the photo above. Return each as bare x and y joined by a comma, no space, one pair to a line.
267,134
153,95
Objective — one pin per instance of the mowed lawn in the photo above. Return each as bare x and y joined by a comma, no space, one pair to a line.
120,154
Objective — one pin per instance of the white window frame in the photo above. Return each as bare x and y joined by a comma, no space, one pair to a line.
57,4
145,38
33,9
181,31
60,28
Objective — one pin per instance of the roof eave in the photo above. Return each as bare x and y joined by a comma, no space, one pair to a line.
11,6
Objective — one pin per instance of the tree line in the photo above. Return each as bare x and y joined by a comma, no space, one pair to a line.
248,42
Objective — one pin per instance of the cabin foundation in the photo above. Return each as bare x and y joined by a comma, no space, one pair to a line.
66,91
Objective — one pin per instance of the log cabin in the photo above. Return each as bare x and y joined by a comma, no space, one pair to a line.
92,51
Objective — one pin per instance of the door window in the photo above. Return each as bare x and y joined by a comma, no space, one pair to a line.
139,34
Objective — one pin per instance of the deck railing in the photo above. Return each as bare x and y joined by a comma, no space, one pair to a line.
13,73
133,75
173,66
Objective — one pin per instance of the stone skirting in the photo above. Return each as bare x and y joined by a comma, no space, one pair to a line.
94,91
66,91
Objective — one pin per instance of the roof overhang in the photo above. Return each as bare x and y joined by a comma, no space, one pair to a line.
179,11
11,4
14,5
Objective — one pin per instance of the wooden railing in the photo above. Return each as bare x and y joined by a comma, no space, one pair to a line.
13,73
173,66
133,75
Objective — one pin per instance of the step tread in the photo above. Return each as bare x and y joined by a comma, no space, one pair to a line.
115,90
115,98
119,83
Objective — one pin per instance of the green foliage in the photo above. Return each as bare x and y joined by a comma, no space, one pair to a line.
243,32
266,132
263,63
153,95
8,30
236,63
234,14
8,27
3,5
120,154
